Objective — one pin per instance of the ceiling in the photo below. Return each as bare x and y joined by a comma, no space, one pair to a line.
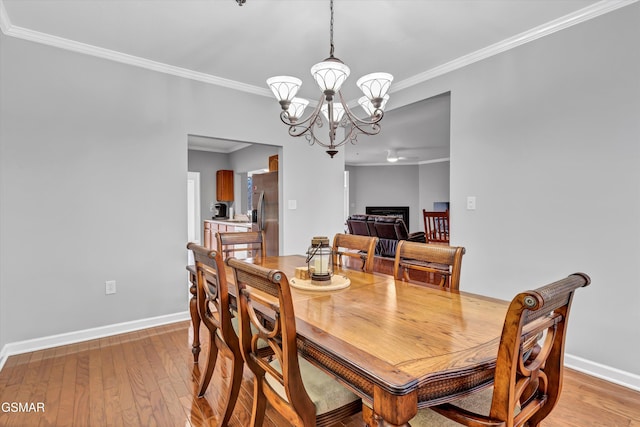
241,46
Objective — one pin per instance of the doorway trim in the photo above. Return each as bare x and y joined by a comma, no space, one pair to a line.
193,207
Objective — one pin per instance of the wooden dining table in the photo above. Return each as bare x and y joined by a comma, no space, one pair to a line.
400,346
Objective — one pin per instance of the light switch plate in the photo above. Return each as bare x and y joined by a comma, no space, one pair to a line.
110,287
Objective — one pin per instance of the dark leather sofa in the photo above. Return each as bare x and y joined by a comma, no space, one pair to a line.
388,229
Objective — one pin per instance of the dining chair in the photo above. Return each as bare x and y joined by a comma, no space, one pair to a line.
529,368
215,311
436,226
361,248
232,243
193,311
428,263
301,392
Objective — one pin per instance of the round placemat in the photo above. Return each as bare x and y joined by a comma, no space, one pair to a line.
337,282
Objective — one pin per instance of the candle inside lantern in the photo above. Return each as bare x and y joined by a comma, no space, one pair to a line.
319,261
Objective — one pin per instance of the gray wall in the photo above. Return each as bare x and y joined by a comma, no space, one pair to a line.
434,186
207,163
546,137
93,169
94,189
416,186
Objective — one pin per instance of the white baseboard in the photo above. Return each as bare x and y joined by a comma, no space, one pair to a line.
607,373
87,334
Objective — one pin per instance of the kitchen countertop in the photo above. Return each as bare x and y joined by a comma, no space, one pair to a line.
236,222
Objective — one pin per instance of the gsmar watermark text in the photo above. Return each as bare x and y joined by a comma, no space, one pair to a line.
22,407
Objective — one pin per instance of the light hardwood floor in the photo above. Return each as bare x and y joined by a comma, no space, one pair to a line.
147,378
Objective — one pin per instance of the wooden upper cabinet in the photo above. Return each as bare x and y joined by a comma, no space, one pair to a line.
273,163
224,185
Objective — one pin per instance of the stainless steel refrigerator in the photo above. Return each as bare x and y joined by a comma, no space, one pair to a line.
264,200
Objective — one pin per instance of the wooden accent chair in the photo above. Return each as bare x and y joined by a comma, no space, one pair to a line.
232,242
214,309
358,247
434,264
436,226
529,369
302,393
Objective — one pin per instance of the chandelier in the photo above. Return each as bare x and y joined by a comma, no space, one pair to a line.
330,74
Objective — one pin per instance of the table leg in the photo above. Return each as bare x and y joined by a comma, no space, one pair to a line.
392,410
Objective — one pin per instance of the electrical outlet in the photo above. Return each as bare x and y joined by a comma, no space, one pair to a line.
110,287
471,203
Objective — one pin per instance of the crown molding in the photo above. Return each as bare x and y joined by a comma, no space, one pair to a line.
424,162
5,23
582,15
112,55
585,14
428,162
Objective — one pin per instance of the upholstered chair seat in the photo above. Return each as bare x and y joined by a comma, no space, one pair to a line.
479,403
325,392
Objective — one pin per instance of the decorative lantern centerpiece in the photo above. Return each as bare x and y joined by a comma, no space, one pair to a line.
320,261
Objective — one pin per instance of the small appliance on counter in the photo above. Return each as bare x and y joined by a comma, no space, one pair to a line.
219,210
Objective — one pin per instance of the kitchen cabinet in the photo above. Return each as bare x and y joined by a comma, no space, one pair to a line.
224,185
213,227
273,163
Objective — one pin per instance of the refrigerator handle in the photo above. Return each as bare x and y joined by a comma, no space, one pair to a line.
261,211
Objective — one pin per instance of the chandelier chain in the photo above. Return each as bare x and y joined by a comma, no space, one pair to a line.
331,31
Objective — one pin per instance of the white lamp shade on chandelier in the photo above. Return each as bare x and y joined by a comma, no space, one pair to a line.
296,108
338,112
375,85
284,87
330,74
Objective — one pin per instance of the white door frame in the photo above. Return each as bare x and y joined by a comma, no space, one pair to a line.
193,207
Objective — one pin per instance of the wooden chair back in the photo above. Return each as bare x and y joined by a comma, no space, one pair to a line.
529,368
215,311
265,293
436,226
357,247
213,291
232,243
428,263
